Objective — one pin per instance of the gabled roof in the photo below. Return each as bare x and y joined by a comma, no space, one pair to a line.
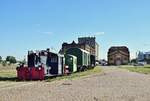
118,48
118,52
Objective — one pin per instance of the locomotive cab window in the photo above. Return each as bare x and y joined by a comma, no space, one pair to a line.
54,59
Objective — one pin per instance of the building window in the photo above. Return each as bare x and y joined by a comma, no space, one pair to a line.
125,58
111,58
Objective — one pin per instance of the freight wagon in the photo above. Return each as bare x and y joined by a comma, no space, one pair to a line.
71,62
83,58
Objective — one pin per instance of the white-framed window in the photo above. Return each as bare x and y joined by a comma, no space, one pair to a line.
54,60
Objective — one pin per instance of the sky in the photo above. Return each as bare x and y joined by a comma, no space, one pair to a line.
40,24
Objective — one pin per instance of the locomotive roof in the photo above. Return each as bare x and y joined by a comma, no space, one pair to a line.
32,52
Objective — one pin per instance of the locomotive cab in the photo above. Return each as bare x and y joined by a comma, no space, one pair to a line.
53,63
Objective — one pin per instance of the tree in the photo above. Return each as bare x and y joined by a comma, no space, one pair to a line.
4,63
0,59
11,59
133,61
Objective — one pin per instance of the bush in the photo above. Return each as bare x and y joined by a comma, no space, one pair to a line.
0,59
4,63
11,59
133,61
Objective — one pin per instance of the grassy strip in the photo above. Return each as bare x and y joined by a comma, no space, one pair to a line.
144,70
76,75
8,73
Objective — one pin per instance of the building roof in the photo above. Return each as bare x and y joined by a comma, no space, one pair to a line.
118,48
73,43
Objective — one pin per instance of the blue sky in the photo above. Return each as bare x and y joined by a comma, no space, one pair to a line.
39,24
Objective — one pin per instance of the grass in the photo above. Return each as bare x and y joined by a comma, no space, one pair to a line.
144,70
8,73
76,75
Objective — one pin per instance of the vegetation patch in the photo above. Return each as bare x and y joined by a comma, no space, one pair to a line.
144,69
8,73
76,75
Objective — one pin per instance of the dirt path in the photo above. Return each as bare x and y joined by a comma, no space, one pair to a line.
112,85
4,85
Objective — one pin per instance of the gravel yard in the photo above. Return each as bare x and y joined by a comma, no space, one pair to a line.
113,84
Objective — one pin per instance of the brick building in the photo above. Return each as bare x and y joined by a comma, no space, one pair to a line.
118,56
91,41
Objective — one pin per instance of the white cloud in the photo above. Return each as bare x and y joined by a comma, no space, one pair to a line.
87,34
99,33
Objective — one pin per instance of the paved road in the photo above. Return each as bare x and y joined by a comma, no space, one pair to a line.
112,85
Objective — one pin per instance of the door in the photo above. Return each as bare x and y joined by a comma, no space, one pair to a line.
118,61
43,62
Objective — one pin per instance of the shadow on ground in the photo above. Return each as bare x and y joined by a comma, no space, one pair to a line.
8,79
15,79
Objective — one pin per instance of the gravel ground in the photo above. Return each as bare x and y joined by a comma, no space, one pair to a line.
112,85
